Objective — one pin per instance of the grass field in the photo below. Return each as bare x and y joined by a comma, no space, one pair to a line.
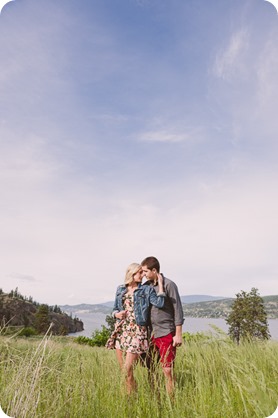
57,378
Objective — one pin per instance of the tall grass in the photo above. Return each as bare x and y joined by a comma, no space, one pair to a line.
56,378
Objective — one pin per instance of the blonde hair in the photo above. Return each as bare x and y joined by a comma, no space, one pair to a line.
132,269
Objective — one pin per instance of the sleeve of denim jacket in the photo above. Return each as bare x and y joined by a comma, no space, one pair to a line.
116,307
156,299
173,294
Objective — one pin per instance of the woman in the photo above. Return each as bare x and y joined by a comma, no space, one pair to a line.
131,309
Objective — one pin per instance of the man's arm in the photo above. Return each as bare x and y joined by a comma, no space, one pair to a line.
178,313
177,339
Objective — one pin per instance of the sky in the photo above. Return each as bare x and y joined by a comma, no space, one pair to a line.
131,128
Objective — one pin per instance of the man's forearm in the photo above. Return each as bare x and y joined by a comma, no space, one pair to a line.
177,339
179,331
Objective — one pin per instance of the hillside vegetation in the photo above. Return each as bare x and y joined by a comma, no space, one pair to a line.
222,308
216,308
24,315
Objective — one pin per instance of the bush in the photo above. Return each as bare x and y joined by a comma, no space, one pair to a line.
98,339
27,332
84,340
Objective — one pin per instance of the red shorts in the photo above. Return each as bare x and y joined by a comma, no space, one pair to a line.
166,350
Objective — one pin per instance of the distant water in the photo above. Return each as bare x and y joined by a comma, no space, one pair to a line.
192,325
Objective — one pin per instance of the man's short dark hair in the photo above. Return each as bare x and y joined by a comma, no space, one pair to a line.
151,263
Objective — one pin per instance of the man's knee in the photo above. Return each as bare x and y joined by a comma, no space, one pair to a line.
168,372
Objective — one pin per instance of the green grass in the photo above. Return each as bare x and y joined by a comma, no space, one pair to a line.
57,378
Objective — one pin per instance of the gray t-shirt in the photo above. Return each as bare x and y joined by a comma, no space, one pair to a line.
165,320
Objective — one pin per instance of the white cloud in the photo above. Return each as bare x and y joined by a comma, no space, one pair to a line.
21,277
230,62
163,136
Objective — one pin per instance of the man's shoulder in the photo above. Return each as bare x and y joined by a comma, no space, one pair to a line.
170,286
167,281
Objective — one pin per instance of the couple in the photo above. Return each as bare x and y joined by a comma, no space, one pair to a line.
155,305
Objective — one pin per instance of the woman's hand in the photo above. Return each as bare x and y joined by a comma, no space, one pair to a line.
159,279
121,315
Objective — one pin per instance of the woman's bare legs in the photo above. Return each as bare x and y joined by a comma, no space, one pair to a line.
130,361
119,355
127,365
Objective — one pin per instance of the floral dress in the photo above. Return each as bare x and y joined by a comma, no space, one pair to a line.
130,337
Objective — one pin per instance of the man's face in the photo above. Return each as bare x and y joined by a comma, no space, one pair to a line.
150,274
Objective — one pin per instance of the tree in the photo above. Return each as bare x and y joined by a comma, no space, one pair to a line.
110,320
42,318
100,337
248,318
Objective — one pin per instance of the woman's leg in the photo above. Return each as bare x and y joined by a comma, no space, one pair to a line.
130,361
119,355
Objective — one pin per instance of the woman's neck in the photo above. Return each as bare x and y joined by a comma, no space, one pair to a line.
131,287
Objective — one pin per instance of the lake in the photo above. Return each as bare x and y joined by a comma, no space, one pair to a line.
192,325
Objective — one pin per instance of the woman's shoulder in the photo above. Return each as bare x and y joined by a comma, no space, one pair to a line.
145,288
121,287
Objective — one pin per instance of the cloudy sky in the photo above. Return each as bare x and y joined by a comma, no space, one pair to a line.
131,128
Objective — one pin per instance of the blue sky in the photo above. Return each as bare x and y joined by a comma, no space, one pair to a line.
134,128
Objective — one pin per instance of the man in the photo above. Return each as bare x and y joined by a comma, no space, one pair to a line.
166,322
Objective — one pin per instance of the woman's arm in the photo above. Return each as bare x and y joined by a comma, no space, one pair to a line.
160,284
158,299
117,313
116,304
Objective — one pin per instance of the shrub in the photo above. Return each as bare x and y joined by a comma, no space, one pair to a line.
27,332
98,339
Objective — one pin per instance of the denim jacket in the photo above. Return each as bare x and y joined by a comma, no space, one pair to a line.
144,297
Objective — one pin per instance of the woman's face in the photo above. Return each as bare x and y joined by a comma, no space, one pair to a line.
137,277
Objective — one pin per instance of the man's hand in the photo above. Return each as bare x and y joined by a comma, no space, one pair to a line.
177,339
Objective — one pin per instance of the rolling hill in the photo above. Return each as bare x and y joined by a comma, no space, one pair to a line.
196,306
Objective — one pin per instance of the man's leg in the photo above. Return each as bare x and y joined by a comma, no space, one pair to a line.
169,379
167,357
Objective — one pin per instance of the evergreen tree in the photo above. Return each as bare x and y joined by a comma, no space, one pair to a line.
110,320
248,318
57,309
42,319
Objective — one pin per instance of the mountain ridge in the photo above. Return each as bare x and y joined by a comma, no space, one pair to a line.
198,306
106,307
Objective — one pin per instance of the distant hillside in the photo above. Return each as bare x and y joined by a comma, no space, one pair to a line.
271,306
209,309
222,308
18,311
199,306
200,298
107,307
84,308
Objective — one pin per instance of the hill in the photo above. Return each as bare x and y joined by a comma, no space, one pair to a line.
17,311
85,308
222,308
106,307
200,298
198,306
